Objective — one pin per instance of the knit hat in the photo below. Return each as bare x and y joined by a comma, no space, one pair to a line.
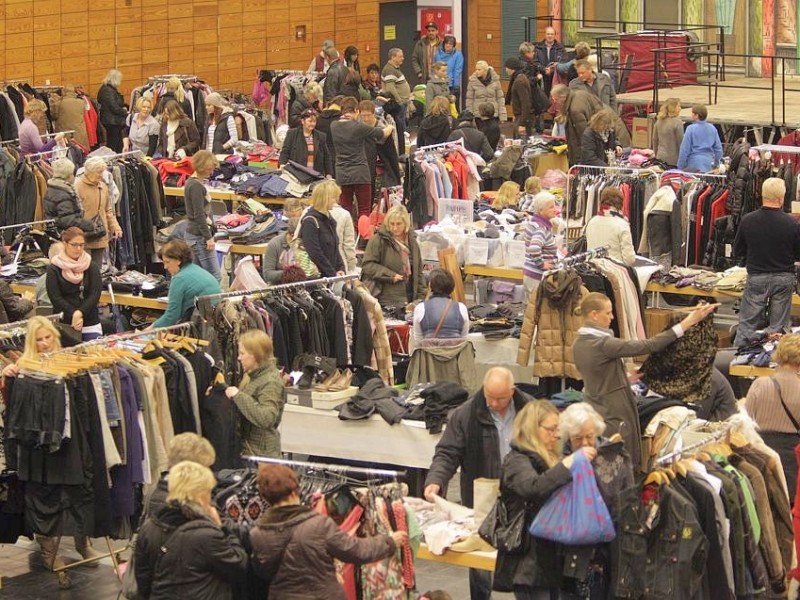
513,63
466,115
214,99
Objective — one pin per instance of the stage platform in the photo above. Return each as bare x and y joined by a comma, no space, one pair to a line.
739,102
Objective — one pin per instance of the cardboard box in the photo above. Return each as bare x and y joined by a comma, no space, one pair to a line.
642,132
657,320
316,399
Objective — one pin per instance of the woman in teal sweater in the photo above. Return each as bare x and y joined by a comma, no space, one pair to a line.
188,282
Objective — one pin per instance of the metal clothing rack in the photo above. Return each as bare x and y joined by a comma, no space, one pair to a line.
571,261
713,437
24,322
614,170
327,467
164,78
29,223
273,288
458,142
111,339
777,148
117,155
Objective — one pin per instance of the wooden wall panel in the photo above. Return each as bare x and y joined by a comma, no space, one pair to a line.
225,43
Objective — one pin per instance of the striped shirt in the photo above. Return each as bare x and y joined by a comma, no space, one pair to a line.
764,405
540,246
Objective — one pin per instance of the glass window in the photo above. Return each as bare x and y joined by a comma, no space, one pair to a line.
662,13
595,12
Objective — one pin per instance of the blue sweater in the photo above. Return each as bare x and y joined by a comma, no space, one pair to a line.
189,283
455,65
701,149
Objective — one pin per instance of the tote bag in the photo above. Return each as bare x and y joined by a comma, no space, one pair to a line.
576,514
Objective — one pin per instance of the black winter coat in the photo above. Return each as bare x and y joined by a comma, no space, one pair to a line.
68,297
295,148
593,148
471,442
12,307
112,106
186,106
335,80
321,241
201,561
434,129
526,479
474,140
61,203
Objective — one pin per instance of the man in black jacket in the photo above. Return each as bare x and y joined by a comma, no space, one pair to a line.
549,52
519,97
477,438
336,78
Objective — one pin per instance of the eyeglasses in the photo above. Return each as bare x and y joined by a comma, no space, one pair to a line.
75,245
589,439
551,429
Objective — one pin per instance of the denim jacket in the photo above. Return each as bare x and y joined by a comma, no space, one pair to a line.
661,550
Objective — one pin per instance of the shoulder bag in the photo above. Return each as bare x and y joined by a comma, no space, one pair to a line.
301,257
794,422
98,224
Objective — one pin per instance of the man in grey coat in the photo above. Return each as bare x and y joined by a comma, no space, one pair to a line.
597,354
477,438
598,84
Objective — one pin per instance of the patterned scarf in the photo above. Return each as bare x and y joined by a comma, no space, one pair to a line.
405,255
71,269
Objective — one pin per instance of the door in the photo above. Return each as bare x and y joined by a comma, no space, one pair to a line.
398,29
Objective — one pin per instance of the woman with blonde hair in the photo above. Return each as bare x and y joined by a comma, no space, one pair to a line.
599,138
184,550
318,230
311,98
436,124
533,185
199,234
774,404
507,196
142,129
41,337
668,132
260,397
393,260
531,473
113,110
174,91
30,140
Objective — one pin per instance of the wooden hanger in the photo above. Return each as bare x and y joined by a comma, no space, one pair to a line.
655,477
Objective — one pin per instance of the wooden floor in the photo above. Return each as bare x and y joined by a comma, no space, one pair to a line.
743,104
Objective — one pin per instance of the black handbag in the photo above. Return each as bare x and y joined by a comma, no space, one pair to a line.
503,530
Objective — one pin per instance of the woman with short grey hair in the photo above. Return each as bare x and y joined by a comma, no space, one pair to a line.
61,201
113,111
95,200
541,248
581,425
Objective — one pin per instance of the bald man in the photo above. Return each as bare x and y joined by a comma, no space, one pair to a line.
477,439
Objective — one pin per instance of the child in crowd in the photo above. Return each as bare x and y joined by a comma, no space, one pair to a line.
507,196
488,123
533,185
438,85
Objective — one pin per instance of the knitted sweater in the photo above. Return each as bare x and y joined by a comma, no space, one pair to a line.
540,246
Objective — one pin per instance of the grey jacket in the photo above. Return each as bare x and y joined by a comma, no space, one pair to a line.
602,88
597,355
271,269
444,363
487,90
436,87
667,138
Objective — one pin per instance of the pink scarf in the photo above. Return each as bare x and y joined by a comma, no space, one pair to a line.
72,270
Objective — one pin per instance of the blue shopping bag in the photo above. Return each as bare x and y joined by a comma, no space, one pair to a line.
576,514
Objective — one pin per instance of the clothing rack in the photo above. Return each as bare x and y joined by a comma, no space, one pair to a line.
458,142
68,132
273,288
22,324
387,473
110,339
571,261
614,170
29,223
118,154
166,77
777,148
713,437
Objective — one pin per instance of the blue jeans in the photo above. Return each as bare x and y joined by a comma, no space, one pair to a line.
203,257
762,291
